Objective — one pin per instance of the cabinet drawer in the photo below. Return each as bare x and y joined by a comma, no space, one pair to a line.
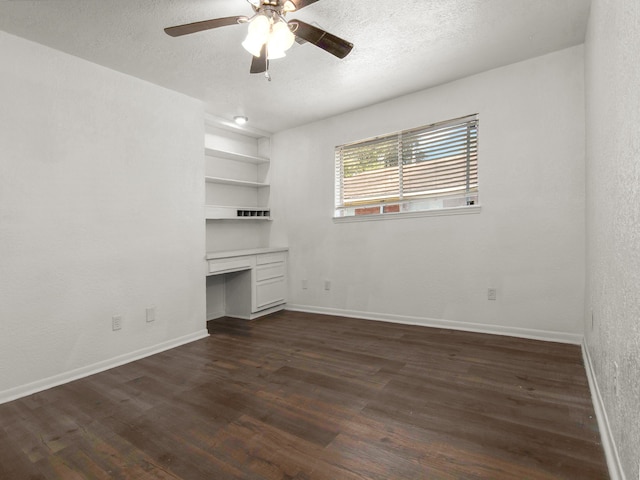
270,293
272,270
230,265
275,257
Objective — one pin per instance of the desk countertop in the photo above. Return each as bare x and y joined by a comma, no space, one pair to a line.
240,253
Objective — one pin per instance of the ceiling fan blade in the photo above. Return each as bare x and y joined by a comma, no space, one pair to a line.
325,40
188,28
302,3
259,64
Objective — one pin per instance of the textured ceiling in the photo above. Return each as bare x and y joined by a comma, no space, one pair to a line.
400,47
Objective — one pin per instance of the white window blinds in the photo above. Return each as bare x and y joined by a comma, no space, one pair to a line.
434,166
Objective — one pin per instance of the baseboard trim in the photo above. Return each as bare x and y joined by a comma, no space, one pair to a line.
606,436
267,311
215,315
255,315
559,337
70,376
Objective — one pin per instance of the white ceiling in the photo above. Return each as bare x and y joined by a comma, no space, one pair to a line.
400,47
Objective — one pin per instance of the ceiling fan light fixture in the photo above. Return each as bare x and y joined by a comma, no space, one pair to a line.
278,37
281,37
269,34
260,25
253,45
258,34
240,119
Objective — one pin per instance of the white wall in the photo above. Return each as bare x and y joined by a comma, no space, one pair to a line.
101,213
528,240
613,217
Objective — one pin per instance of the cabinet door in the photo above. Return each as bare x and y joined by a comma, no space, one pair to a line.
270,293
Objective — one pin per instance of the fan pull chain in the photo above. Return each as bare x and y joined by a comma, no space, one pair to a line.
267,75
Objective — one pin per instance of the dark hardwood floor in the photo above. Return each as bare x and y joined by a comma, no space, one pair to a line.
301,396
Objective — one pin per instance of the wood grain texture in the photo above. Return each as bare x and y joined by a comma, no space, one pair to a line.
302,396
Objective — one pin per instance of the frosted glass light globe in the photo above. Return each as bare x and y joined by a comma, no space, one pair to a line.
260,25
258,34
281,38
253,44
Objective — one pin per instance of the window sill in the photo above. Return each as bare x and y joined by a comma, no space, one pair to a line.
472,209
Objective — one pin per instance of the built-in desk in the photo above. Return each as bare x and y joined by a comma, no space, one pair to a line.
255,280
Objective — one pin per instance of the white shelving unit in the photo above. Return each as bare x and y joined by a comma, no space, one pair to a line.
237,168
237,183
218,212
237,157
245,276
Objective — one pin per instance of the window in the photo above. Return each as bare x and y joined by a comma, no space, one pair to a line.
426,168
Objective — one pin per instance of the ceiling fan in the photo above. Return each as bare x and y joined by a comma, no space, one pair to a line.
270,34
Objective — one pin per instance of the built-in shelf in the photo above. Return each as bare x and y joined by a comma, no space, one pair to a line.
238,157
224,212
240,283
234,182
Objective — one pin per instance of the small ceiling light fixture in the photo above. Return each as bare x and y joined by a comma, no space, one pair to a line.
240,119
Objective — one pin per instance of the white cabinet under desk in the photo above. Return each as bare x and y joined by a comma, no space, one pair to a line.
255,281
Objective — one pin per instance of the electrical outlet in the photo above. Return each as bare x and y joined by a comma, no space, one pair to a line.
327,285
616,389
151,314
492,294
305,284
116,322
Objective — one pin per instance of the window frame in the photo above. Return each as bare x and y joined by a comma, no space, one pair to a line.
393,200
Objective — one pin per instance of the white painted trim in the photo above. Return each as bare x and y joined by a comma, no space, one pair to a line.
560,337
215,315
606,436
261,313
66,377
267,311
436,212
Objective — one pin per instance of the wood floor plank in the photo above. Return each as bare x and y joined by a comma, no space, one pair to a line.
301,396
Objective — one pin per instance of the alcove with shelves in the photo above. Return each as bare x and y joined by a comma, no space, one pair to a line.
238,221
236,174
